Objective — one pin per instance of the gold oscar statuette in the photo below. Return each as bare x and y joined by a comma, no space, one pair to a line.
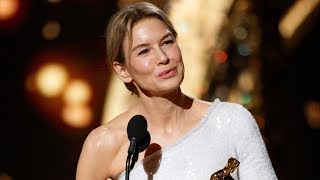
224,174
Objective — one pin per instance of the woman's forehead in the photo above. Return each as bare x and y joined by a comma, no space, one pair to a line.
148,28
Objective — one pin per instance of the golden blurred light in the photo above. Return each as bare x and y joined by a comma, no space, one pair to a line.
78,116
246,81
51,79
51,30
295,16
8,8
198,23
77,92
312,113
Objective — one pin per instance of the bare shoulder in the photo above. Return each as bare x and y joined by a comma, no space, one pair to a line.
102,148
202,106
103,138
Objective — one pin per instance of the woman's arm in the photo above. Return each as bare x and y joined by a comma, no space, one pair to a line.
96,156
254,160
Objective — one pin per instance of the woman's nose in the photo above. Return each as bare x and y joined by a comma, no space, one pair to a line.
162,56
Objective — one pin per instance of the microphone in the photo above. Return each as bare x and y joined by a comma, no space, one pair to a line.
139,138
141,146
136,130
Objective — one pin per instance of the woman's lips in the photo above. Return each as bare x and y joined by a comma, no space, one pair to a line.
168,73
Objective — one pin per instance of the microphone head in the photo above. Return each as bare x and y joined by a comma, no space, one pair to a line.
144,143
137,128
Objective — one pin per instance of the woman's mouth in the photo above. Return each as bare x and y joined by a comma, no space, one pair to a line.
168,73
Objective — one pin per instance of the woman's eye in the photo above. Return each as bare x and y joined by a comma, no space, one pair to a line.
143,51
168,42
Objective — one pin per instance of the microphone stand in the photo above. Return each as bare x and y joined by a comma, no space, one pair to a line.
128,169
131,150
135,157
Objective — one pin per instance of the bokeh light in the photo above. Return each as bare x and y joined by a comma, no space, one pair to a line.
51,79
312,113
244,49
51,30
77,116
77,92
8,9
220,56
240,33
246,81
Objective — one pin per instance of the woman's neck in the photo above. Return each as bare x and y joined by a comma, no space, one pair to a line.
166,111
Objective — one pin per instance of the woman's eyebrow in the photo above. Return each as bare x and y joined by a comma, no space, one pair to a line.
167,34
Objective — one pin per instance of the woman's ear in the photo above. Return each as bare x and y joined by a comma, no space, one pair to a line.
122,72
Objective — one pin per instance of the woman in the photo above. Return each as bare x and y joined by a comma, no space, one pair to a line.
196,137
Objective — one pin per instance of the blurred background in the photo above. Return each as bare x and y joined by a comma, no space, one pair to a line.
56,86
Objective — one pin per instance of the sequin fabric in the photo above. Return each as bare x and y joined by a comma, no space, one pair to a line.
227,130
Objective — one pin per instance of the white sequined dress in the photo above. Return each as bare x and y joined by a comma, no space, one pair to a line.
227,130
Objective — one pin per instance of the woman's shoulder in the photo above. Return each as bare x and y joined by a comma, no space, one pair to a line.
106,138
113,131
104,147
228,110
237,113
231,107
217,104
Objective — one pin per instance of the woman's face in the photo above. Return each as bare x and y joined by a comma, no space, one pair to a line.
154,62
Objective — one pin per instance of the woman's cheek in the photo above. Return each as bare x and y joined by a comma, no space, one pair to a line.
176,53
143,66
147,64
